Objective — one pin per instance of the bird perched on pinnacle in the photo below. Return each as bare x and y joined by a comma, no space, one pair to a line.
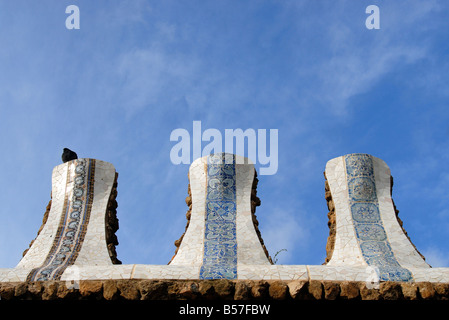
68,155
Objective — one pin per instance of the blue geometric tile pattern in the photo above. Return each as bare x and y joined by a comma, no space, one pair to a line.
72,226
369,229
220,242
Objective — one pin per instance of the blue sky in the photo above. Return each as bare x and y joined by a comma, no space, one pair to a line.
116,88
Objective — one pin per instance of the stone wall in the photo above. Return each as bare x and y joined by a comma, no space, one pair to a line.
331,221
111,223
221,290
344,275
255,202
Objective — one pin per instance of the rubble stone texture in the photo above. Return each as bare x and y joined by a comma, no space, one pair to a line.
220,289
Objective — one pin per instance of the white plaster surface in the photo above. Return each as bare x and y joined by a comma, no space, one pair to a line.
42,244
190,252
93,249
346,250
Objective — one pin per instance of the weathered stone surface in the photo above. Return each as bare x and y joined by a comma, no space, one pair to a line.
224,288
242,291
189,290
349,290
316,289
128,289
7,291
298,289
110,291
391,290
426,290
332,223
34,289
21,290
183,290
221,289
66,290
331,290
259,289
216,289
409,291
441,290
369,293
50,290
153,289
278,290
255,202
206,289
112,223
91,289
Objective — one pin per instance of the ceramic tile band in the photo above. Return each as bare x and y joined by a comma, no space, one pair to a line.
220,242
73,224
368,226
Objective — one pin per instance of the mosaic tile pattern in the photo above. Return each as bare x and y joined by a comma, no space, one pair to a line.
220,242
207,200
369,229
73,224
74,233
370,245
352,179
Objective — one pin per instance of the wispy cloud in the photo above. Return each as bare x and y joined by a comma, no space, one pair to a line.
359,59
135,71
436,257
284,229
151,76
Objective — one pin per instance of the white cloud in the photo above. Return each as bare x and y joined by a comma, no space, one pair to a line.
283,230
436,257
352,59
126,13
149,76
139,59
354,68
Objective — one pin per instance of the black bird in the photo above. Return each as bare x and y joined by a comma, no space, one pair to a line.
68,155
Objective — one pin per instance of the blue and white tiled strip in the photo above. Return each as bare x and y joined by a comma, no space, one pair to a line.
369,229
220,241
72,225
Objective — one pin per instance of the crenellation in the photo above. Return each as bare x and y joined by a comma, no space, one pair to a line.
367,245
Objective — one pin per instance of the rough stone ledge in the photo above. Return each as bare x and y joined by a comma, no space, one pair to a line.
275,290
